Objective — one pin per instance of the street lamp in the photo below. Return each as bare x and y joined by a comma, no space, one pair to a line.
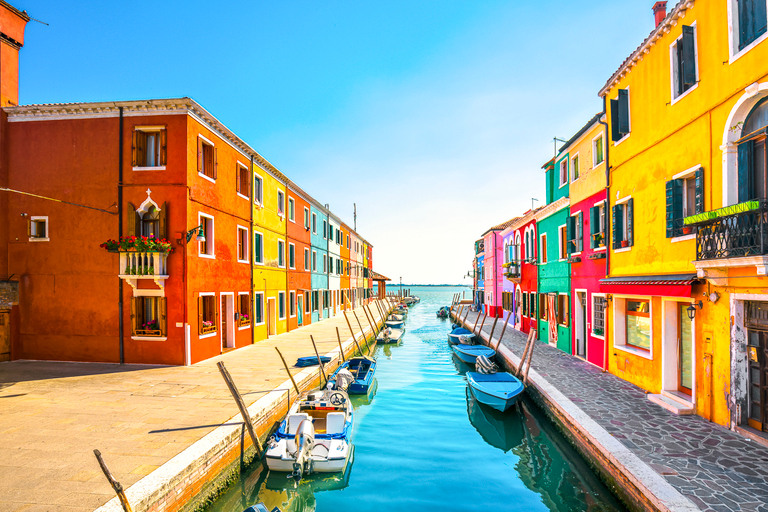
200,234
691,310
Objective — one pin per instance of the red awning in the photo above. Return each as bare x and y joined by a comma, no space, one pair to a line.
675,285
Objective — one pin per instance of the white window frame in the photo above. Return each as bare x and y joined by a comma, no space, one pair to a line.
263,311
148,129
733,34
579,219
292,304
314,223
47,237
307,218
624,201
543,248
291,210
261,248
240,327
280,203
210,143
629,111
314,261
603,205
594,151
673,78
291,245
258,200
247,244
591,329
307,260
209,235
281,250
240,168
325,263
281,300
561,230
560,171
218,327
573,168
619,309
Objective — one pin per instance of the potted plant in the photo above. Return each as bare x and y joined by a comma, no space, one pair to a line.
687,230
598,237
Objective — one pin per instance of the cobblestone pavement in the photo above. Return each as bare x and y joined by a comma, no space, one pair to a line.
717,469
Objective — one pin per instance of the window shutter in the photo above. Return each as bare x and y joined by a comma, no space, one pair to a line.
615,135
759,15
699,190
134,317
199,154
163,147
215,162
134,148
248,174
745,8
674,202
200,315
215,302
689,60
130,220
618,235
570,234
680,68
162,316
630,222
163,221
580,233
141,148
746,150
594,221
623,111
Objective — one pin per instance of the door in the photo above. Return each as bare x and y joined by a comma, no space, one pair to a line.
5,335
581,325
224,321
684,351
757,361
300,308
271,317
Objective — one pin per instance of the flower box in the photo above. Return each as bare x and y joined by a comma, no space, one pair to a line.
148,332
138,244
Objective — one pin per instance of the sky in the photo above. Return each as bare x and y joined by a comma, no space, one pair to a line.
433,117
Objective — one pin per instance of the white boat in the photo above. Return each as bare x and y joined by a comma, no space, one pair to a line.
389,335
315,435
396,317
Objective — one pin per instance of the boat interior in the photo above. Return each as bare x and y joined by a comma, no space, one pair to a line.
326,420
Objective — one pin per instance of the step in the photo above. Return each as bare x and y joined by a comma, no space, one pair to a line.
671,404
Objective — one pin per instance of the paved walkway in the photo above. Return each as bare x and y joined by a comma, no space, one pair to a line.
52,416
717,469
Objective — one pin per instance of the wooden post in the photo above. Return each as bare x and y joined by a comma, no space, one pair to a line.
493,328
361,328
351,330
289,372
319,361
485,315
373,319
503,331
341,348
241,406
530,360
114,483
465,316
525,354
476,321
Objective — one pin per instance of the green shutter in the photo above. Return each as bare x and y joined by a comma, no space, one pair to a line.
630,211
623,111
615,135
688,75
674,201
746,151
580,233
570,231
594,222
699,190
618,222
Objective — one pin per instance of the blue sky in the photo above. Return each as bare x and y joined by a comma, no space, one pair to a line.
434,117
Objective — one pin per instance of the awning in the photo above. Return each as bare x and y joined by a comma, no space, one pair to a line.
673,285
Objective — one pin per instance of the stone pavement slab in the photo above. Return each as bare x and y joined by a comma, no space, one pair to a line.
717,469
53,415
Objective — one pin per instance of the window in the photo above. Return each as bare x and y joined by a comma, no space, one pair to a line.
243,180
148,316
749,22
598,151
532,304
684,197
149,147
244,309
339,266
575,168
258,190
314,223
638,324
291,255
206,247
314,261
280,203
330,264
280,305
292,304
525,304
598,315
258,308
291,209
575,232
620,125
543,250
682,57
563,310
563,165
207,163
151,222
325,263
38,229
306,218
315,301
306,303
752,173
338,237
306,259
623,220
543,306
258,248
242,244
325,230
208,314
597,225
281,253
562,243
348,241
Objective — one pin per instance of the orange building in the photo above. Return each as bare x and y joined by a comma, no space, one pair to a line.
299,247
346,292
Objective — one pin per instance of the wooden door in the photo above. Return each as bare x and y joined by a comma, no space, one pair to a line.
684,351
5,335
581,339
224,321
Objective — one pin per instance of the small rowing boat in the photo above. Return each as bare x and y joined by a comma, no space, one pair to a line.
454,335
389,335
363,370
468,353
498,390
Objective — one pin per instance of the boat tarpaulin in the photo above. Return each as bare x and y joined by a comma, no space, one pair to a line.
673,285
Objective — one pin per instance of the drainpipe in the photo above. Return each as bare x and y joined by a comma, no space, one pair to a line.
250,257
607,216
120,230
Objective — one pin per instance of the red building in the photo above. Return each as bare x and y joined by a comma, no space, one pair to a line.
299,247
526,299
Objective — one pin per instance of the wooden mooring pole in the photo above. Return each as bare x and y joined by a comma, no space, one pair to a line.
289,372
362,331
114,483
241,406
319,361
502,332
493,328
341,347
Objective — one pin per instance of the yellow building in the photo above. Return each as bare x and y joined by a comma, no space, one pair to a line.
687,289
269,250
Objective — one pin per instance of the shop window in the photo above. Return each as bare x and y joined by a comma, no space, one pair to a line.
638,324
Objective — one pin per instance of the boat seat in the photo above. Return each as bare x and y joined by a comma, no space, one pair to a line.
294,420
334,422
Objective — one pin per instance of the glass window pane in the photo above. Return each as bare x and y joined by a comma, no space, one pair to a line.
638,324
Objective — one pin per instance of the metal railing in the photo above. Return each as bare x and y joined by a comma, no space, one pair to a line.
733,236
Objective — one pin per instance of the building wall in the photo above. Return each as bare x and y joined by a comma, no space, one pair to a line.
528,273
319,276
494,258
554,276
299,278
344,283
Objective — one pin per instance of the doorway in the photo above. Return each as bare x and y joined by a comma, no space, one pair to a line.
684,351
5,335
271,317
757,360
580,332
300,308
227,321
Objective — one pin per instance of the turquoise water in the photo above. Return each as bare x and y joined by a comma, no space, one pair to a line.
422,443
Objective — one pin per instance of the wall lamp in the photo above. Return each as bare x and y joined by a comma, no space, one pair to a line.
691,310
200,234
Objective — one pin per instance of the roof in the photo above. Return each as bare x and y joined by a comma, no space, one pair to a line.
500,227
379,277
584,129
549,164
636,56
21,14
551,208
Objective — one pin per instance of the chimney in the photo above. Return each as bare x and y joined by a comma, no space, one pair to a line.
659,12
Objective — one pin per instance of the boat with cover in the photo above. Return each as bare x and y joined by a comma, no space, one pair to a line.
455,335
469,353
389,335
499,390
443,312
315,435
311,361
394,324
363,369
400,310
396,317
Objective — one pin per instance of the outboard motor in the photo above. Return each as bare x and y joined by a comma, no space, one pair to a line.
305,441
343,379
485,365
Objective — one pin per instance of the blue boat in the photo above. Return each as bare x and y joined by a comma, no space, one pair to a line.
468,353
395,324
497,390
363,369
311,361
453,336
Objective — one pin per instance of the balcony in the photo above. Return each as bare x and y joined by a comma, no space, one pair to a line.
512,270
136,265
731,237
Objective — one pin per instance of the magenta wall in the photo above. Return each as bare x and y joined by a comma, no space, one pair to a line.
528,271
494,258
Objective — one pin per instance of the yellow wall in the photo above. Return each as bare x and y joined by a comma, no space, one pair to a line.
591,179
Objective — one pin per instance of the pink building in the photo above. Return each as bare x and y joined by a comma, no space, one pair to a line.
494,272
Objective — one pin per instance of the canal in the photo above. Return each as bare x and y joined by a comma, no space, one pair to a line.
422,443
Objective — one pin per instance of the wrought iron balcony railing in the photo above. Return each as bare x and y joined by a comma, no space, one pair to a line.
732,232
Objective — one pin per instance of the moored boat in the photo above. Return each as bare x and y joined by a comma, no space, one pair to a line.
443,312
389,335
468,353
394,324
454,335
497,390
363,369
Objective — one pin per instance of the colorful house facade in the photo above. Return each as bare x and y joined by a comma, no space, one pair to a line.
299,258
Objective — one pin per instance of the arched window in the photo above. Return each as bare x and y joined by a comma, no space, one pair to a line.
150,223
753,175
